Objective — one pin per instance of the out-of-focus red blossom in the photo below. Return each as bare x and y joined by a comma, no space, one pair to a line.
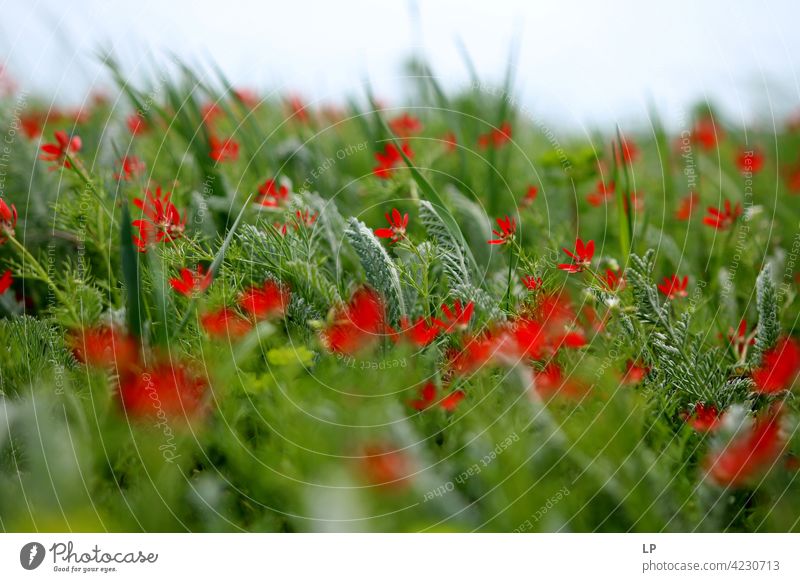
5,281
31,124
223,150
105,347
602,193
532,283
704,417
248,97
722,219
210,113
385,466
8,220
615,280
457,318
450,141
397,226
674,286
630,151
130,168
635,200
706,134
358,325
420,333
568,339
750,161
550,382
224,322
530,196
304,218
582,257
749,453
405,125
427,398
136,124
475,352
389,159
191,282
634,373
793,179
738,338
271,194
495,138
687,206
168,388
506,228
161,223
555,310
265,302
779,367
57,152
297,109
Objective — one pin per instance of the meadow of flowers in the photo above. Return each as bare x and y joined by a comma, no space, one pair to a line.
223,310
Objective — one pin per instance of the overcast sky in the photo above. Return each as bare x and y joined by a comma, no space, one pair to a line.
580,63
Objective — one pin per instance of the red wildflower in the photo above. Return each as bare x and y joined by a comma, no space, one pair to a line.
582,257
457,318
793,180
615,280
210,113
750,161
551,382
496,137
304,218
162,222
130,167
397,226
427,398
507,227
686,208
630,151
421,333
529,339
166,388
105,347
750,453
31,124
272,195
738,338
356,326
779,367
222,150
476,352
530,195
390,159
224,323
704,418
450,141
532,283
8,220
5,281
674,287
384,466
136,124
265,302
722,219
706,133
190,282
298,109
57,152
634,373
248,97
602,193
405,125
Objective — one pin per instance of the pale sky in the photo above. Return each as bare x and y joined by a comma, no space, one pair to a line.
581,64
